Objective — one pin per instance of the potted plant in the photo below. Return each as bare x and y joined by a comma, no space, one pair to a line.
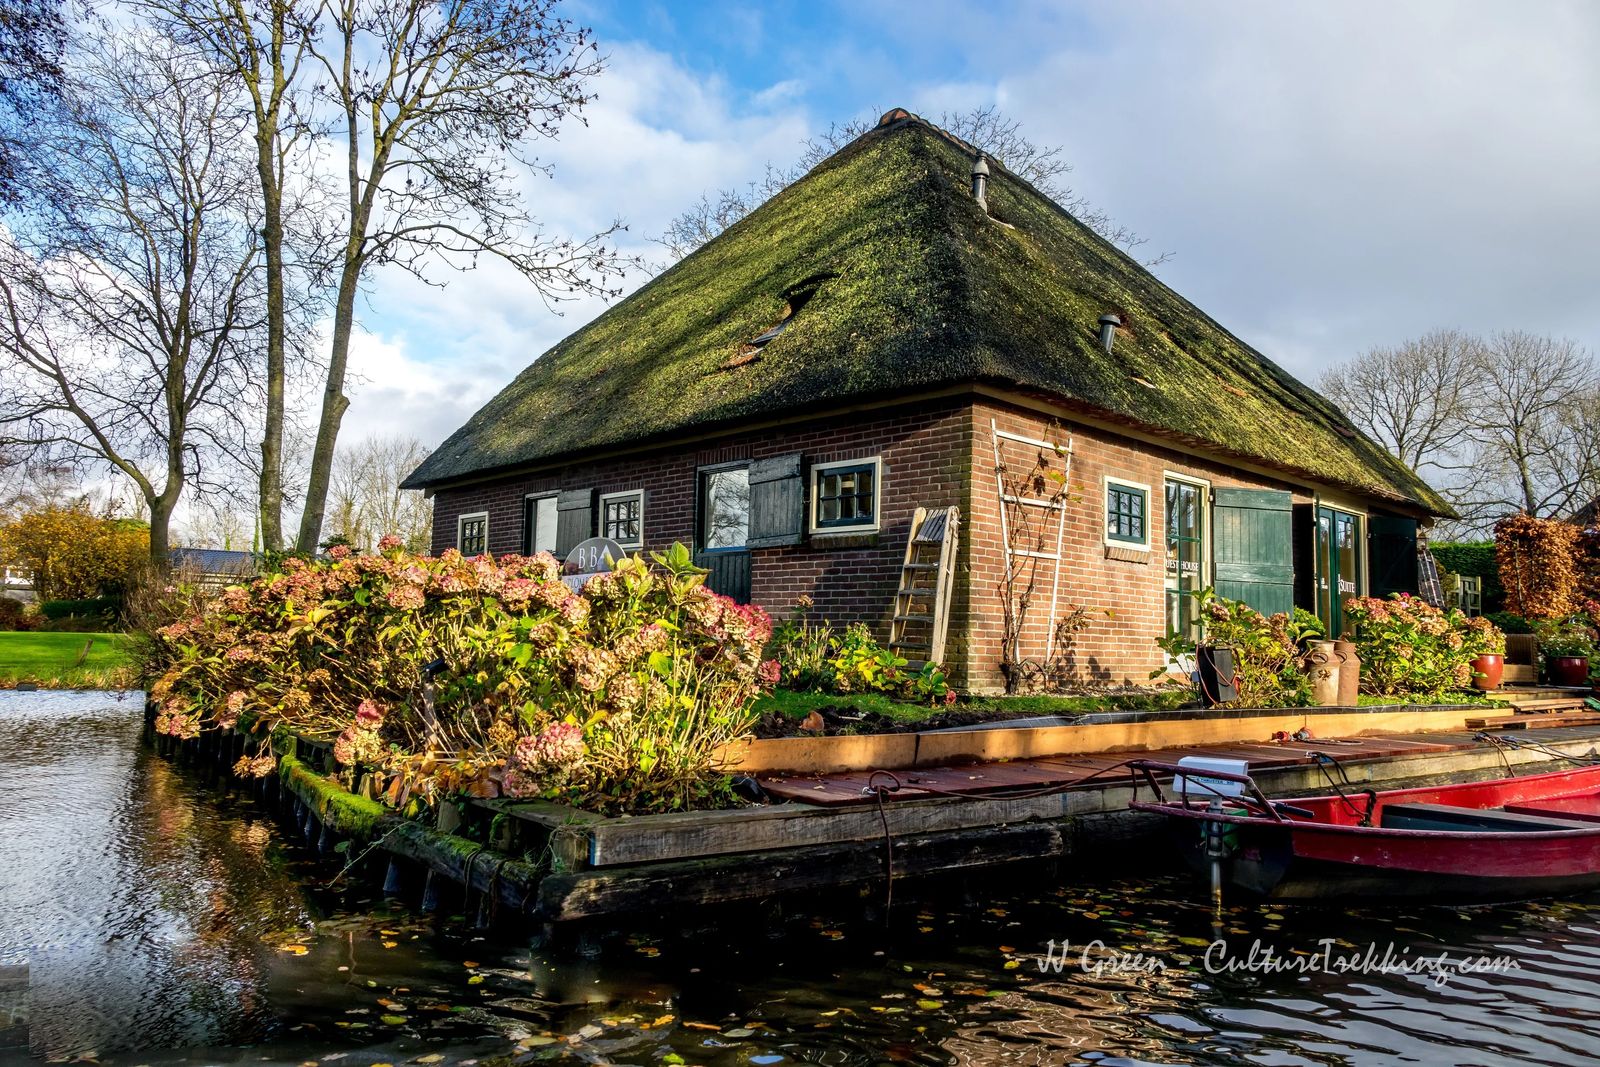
1483,641
1567,646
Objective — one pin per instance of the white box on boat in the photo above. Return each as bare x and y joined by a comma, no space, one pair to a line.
1199,786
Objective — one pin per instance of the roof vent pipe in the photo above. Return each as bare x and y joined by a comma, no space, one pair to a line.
1108,331
980,182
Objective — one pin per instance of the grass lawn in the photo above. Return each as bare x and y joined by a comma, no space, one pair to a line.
51,660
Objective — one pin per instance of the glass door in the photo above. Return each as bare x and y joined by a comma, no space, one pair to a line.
723,526
1186,555
1339,564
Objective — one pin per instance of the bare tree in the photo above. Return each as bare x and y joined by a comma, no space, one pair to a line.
435,100
33,34
262,47
985,128
365,501
1416,399
128,288
1533,435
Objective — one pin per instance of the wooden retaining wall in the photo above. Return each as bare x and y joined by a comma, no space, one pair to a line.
541,862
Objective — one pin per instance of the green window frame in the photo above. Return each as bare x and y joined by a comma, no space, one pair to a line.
622,518
1127,514
845,495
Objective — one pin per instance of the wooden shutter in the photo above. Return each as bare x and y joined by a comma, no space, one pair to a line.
574,519
1253,545
1391,555
777,501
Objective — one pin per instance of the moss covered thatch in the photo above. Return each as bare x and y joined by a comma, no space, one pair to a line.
901,282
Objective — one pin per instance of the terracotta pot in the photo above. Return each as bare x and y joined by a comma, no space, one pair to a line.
1349,673
1487,669
1567,670
1322,663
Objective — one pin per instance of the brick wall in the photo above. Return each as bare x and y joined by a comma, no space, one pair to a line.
926,453
1123,591
933,455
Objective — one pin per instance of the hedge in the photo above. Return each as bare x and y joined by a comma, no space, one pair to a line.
1473,558
102,606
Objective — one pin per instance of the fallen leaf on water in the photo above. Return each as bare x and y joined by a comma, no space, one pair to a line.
1007,948
432,1057
1012,965
296,950
390,944
664,1020
469,963
393,1020
930,1005
701,1026
476,979
740,1031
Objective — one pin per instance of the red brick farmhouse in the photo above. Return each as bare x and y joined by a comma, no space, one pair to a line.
865,344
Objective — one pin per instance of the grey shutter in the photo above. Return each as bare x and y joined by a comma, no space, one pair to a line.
1391,555
574,519
777,501
1253,545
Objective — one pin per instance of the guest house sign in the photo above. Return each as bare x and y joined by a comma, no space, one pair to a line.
589,558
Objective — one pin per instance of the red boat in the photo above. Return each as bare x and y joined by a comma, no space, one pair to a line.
1507,839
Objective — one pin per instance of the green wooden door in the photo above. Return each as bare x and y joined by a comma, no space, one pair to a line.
1251,535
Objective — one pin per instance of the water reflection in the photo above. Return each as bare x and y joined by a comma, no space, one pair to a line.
166,920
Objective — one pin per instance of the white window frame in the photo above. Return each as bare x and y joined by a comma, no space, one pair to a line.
1106,482
462,520
815,481
606,498
527,498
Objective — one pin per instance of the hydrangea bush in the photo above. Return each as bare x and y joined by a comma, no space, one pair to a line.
613,697
1407,645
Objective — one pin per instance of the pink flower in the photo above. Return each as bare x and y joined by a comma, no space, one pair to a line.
389,542
339,552
558,747
405,597
369,715
769,672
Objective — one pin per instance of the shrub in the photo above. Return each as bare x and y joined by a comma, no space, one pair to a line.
1573,636
813,657
1536,560
70,553
1508,623
613,698
15,616
1266,652
1407,645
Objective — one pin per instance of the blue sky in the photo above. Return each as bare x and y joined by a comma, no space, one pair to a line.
1327,177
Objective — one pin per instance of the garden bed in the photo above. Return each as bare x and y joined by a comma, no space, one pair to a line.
785,713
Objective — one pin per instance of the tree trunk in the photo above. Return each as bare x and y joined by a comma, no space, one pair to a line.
334,403
160,534
270,502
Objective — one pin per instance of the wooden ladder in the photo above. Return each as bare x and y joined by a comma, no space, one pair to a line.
922,602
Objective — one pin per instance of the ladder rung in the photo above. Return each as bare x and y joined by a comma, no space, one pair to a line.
913,618
921,566
916,592
909,644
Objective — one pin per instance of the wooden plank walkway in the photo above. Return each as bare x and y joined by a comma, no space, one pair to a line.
1022,776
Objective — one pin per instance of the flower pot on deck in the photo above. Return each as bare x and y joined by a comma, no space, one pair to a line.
1567,670
1487,670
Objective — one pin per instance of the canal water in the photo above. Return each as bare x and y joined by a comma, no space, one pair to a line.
148,917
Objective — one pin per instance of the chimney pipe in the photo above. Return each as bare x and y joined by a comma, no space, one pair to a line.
980,182
1108,331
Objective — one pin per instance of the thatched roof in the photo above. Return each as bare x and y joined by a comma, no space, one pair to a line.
898,281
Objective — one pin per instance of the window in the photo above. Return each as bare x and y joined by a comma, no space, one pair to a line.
724,508
844,495
472,533
1186,555
538,525
622,518
1127,514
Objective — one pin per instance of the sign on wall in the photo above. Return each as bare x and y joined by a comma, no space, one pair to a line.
589,558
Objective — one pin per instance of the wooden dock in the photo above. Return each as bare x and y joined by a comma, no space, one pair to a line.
540,862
